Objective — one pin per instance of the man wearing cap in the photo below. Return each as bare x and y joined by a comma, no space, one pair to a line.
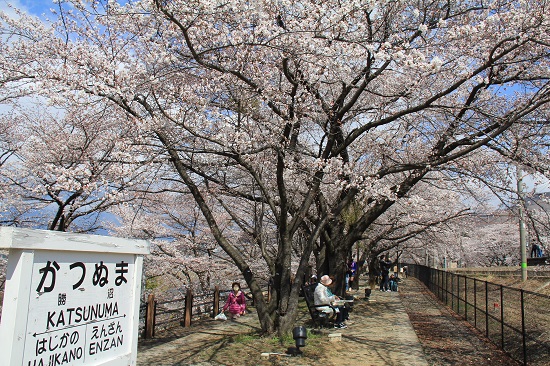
322,296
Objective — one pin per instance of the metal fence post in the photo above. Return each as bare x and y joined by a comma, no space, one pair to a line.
523,328
466,298
443,296
486,309
452,292
502,316
475,303
439,284
434,283
458,291
446,288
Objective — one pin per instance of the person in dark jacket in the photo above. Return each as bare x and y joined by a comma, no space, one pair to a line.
385,266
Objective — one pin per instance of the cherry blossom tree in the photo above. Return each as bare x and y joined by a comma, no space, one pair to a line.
183,248
276,117
8,144
477,240
70,167
487,235
415,221
11,142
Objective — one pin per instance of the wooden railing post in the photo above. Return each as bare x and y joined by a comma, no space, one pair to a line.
155,317
216,304
150,317
188,308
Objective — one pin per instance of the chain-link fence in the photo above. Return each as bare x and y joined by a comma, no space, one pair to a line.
516,320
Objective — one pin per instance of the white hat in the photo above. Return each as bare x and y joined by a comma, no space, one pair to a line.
326,280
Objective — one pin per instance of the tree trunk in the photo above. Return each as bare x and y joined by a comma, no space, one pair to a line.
266,315
338,266
287,321
321,259
373,271
355,284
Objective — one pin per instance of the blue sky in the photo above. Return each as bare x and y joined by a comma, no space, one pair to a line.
35,7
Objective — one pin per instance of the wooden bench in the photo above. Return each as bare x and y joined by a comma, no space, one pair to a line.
538,261
320,318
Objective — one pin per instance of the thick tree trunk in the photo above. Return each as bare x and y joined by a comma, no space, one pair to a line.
338,268
321,259
266,315
355,284
287,321
373,272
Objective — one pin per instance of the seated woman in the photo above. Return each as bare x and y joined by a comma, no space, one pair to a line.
323,296
236,302
393,283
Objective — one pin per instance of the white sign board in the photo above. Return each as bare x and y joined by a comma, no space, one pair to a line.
70,299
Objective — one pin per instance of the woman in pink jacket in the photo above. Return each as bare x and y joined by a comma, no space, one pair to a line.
236,302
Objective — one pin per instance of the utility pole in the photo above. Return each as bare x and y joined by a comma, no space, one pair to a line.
522,231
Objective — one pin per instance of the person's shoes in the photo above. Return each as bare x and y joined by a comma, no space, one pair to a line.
340,326
388,290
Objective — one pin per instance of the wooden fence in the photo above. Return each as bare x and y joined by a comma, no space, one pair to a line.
155,316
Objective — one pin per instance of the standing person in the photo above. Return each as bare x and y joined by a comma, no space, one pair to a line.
536,251
236,302
351,275
323,296
385,265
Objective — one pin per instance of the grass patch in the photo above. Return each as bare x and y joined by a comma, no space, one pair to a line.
245,350
245,338
275,342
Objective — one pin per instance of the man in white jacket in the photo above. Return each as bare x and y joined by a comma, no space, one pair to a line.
323,296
